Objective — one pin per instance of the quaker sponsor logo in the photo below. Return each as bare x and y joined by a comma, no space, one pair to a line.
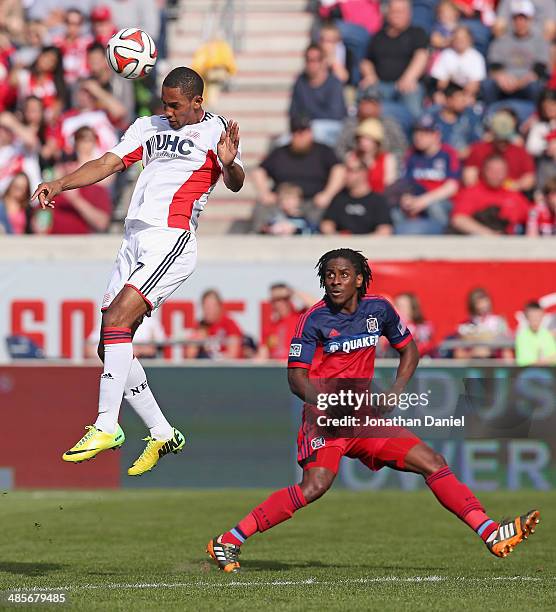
295,350
346,344
169,145
317,443
372,325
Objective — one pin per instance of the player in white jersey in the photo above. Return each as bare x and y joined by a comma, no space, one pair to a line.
183,153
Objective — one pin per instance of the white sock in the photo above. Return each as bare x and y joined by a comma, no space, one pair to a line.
118,355
141,399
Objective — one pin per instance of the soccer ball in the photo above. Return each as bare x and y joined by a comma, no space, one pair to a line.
131,53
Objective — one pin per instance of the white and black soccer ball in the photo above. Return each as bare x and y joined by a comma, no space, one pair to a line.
131,53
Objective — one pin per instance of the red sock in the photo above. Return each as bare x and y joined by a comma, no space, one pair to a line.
459,499
279,507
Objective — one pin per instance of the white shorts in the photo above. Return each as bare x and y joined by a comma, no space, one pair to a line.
154,261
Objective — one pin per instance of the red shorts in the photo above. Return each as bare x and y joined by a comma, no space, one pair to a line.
375,453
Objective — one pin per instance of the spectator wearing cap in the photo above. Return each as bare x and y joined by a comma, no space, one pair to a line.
319,95
488,207
381,165
102,26
518,60
543,122
370,107
356,209
502,131
460,124
432,172
144,14
543,22
396,60
311,165
534,344
546,163
460,64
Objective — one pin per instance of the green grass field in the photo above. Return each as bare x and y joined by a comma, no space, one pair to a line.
144,550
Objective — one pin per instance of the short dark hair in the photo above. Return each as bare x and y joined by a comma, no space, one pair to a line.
96,46
452,88
533,305
356,258
189,82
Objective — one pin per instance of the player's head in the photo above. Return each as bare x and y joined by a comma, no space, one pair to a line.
182,96
344,273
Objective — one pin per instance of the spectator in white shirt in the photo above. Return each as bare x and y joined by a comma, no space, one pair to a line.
461,64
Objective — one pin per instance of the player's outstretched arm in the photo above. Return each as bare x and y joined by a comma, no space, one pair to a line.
228,146
89,173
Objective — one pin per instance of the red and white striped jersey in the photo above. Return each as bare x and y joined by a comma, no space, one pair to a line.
181,168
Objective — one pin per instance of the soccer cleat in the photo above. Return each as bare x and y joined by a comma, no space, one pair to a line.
92,443
225,555
154,450
511,533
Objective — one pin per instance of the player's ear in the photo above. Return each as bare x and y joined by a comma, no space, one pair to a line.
359,280
197,102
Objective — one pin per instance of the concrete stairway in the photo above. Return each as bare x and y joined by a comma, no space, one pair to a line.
275,34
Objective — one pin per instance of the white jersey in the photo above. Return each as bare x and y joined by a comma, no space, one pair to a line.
181,168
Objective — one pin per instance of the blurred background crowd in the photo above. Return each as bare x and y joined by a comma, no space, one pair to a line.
424,117
484,334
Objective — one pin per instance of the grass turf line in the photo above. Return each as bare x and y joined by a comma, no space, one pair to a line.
144,549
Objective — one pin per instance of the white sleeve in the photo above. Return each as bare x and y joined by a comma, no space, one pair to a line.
440,69
476,67
130,147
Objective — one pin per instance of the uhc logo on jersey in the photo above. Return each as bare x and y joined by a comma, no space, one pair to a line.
168,145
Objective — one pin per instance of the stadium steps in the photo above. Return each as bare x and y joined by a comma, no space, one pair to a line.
275,34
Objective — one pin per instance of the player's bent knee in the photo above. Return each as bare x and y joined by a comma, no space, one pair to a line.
315,486
436,462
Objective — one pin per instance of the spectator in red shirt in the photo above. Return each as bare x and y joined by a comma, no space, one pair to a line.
102,25
409,309
73,45
488,207
219,336
82,211
498,140
381,164
285,316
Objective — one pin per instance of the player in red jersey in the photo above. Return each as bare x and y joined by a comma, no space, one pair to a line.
345,327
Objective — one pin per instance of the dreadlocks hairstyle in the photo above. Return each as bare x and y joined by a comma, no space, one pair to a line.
358,260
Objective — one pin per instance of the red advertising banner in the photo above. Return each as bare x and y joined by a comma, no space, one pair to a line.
43,413
442,287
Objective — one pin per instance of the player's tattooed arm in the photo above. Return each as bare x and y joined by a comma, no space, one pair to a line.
89,173
227,148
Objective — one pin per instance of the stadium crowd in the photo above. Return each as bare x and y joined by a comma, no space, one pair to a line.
61,105
424,117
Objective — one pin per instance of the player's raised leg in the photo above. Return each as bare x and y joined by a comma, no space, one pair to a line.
116,333
457,497
276,509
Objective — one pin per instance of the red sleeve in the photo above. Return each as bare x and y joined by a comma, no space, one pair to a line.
465,202
98,196
477,155
231,327
527,163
